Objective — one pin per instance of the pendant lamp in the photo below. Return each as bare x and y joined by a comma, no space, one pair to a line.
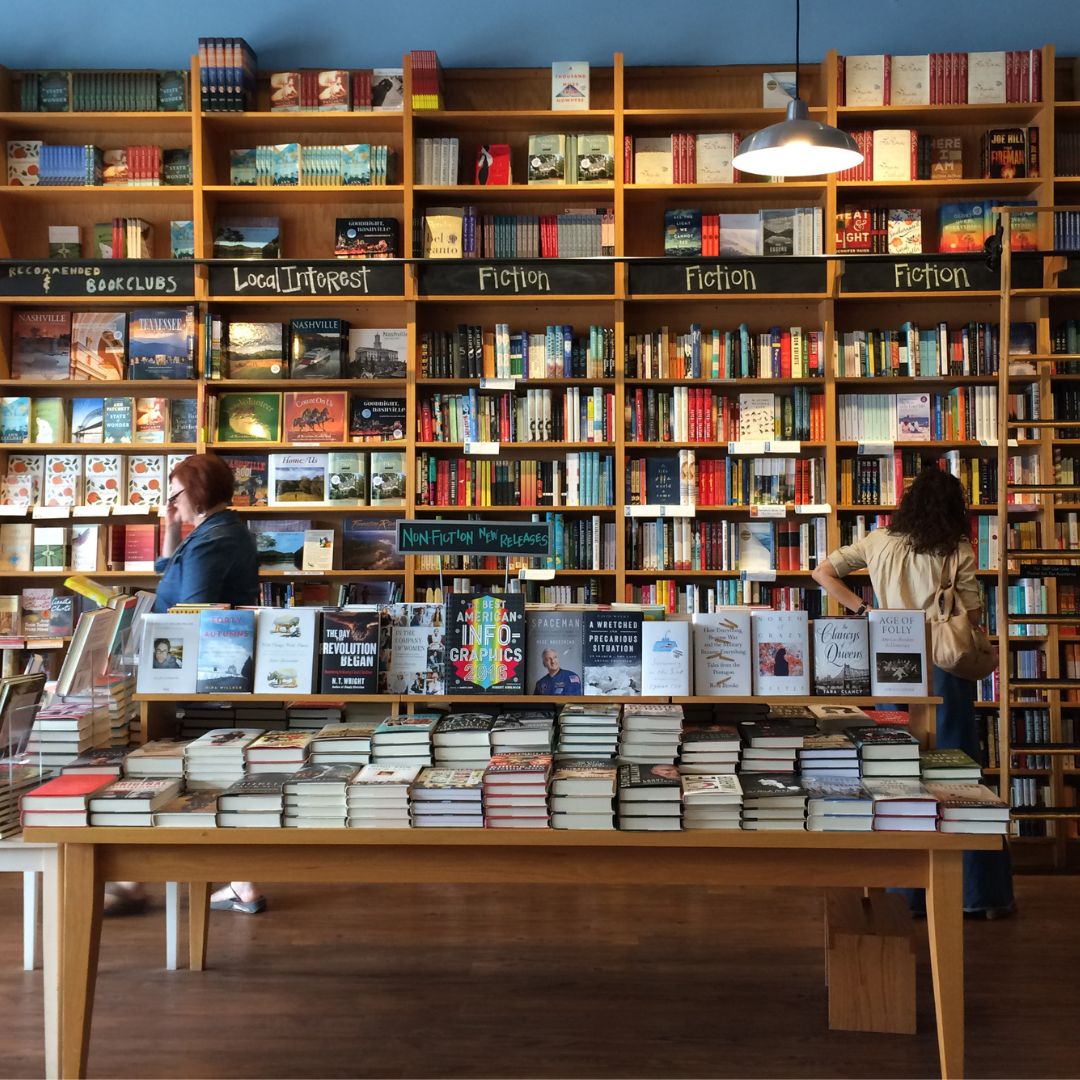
798,146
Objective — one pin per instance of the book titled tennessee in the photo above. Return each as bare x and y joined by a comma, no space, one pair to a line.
161,343
485,643
226,652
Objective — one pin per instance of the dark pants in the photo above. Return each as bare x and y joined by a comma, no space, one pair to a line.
987,874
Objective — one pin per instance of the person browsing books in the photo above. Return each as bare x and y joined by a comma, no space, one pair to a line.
906,562
556,681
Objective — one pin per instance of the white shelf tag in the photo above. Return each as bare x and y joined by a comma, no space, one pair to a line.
814,508
481,449
869,449
546,573
766,511
758,575
51,513
498,384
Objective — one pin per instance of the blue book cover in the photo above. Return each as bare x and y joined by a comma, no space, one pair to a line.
14,419
226,652
161,343
87,420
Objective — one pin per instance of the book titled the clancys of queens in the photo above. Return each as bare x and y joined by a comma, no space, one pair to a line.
485,643
841,657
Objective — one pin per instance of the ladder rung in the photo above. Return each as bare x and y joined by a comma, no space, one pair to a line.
1047,488
1043,423
1042,358
1048,617
1046,812
1021,554
1049,748
1045,684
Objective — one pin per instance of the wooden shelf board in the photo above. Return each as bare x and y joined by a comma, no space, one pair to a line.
305,194
1013,112
721,385
519,384
510,509
48,122
103,388
99,192
526,120
449,572
384,387
744,189
517,193
308,121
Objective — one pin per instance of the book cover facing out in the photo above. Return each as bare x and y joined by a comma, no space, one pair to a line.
226,652
841,657
611,652
554,652
898,653
485,643
781,653
349,653
722,653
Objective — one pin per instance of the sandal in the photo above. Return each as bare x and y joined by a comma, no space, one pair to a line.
235,903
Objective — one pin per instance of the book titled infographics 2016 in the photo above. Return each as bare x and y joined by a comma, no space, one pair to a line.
485,643
898,653
781,652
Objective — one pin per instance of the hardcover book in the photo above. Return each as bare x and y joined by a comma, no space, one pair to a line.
547,158
247,238
386,483
387,89
316,347
722,653
250,478
285,653
249,418
611,652
781,652
150,420
841,657
168,655
413,635
97,344
226,652
913,417
297,478
161,343
757,546
47,420
318,550
145,479
349,652
40,344
377,420
485,643
183,420
280,546
443,232
595,155
15,421
370,544
255,350
377,353
118,419
665,658
346,478
554,652
87,420
714,154
366,238
662,480
570,86
898,653
315,417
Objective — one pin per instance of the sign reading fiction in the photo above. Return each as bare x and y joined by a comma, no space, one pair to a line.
473,537
668,277
929,273
331,277
106,277
516,277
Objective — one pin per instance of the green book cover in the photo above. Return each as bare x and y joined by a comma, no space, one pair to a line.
14,419
118,419
47,420
249,418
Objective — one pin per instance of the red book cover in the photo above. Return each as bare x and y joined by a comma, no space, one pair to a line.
67,792
628,159
316,418
140,547
886,89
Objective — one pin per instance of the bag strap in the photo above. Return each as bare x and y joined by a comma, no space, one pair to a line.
946,591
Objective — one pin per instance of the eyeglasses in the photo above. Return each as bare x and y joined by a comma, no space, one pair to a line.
174,496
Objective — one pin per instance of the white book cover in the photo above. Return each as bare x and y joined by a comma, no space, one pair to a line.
892,154
841,656
714,153
146,479
757,417
379,353
104,479
781,652
909,80
169,654
318,552
898,653
285,642
665,658
85,548
777,89
986,78
295,479
757,546
913,417
652,160
740,234
864,80
722,653
570,85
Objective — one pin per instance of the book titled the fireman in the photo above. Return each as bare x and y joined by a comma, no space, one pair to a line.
485,643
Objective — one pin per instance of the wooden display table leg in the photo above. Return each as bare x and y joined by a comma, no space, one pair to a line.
198,919
80,939
945,922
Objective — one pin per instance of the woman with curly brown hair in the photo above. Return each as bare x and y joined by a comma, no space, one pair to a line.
906,561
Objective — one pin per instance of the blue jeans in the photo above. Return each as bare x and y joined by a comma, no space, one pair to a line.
987,874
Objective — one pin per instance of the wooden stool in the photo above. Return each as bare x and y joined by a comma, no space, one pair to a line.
869,962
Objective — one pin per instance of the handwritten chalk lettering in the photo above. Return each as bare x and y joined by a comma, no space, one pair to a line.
478,538
56,279
290,280
512,279
720,279
931,276
159,284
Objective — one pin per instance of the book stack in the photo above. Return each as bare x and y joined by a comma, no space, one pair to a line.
829,756
310,716
770,746
15,781
515,791
838,804
902,805
773,801
342,744
61,732
105,760
114,696
650,733
197,719
404,740
588,730
192,810
885,751
650,797
583,793
253,802
462,740
712,749
278,751
833,719
447,798
528,731
948,765
216,759
159,757
268,715
711,801
378,798
132,801
62,800
315,796
969,808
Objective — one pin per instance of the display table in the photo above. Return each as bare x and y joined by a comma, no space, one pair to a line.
92,856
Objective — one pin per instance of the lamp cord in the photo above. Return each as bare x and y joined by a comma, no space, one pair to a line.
798,5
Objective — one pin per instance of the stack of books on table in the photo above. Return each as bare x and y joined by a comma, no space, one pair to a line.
711,801
113,695
885,751
948,765
62,800
515,789
404,740
203,716
253,802
378,797
583,793
773,801
216,759
132,801
278,751
902,805
268,715
650,797
191,810
61,732
969,808
829,756
15,781
650,733
527,731
770,746
447,798
106,760
588,729
346,743
315,796
838,804
160,757
311,716
709,748
462,740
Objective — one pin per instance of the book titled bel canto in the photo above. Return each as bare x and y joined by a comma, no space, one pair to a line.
611,652
285,658
485,643
722,653
161,343
226,652
898,653
349,662
781,647
554,652
841,656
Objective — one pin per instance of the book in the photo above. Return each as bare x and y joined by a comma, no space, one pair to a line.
316,347
570,86
376,419
378,353
40,344
595,159
757,547
493,164
255,350
554,652
71,791
485,643
249,418
665,658
443,229
150,421
98,344
168,654
714,151
722,652
226,652
161,343
366,238
349,652
285,652
611,652
182,239
15,421
415,640
387,89
346,478
87,420
316,417
297,479
318,550
386,483
968,802
139,793
192,810
781,652
898,653
247,238
841,656
913,417
250,479
649,783
948,765
370,544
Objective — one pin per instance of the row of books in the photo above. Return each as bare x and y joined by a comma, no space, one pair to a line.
797,230
116,420
338,90
758,481
227,69
32,162
455,232
123,238
966,413
295,165
679,597
103,91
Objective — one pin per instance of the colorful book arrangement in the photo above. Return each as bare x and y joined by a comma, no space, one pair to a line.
690,233
337,90
103,91
463,233
294,165
427,80
227,69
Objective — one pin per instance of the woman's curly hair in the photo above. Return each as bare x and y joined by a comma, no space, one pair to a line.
933,513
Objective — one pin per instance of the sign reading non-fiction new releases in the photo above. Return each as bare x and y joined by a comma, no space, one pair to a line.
733,277
535,277
329,277
106,277
474,537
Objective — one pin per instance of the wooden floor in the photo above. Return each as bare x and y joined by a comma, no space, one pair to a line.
560,982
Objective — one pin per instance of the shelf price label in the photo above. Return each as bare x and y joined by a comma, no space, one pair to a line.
757,575
105,277
14,511
662,510
814,508
874,449
764,446
51,513
546,573
481,449
763,510
498,384
325,277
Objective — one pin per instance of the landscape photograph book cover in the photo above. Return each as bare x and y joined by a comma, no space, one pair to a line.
371,544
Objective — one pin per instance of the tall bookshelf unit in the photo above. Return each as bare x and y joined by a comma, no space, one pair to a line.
507,105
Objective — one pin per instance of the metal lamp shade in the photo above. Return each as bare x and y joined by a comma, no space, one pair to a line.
798,146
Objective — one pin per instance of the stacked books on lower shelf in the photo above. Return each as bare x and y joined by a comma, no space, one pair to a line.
583,794
515,790
773,801
255,801
650,797
712,802
15,781
447,798
316,797
132,801
378,797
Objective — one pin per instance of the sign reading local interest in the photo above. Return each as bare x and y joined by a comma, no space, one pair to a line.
105,277
930,273
513,277
736,277
330,277
474,537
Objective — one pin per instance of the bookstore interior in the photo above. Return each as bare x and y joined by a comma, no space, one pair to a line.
544,404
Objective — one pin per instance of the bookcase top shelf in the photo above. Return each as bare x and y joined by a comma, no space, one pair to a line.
307,123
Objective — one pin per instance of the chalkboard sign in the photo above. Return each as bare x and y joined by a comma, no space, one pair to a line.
737,277
1069,278
934,273
329,277
1042,570
106,277
515,277
474,537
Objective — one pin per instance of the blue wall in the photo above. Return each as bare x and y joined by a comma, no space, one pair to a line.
367,33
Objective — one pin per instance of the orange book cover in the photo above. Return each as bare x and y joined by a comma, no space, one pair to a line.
316,417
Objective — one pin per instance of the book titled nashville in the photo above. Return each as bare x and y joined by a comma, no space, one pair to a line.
485,643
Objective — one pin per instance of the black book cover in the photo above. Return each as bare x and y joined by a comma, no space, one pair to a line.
485,643
349,652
